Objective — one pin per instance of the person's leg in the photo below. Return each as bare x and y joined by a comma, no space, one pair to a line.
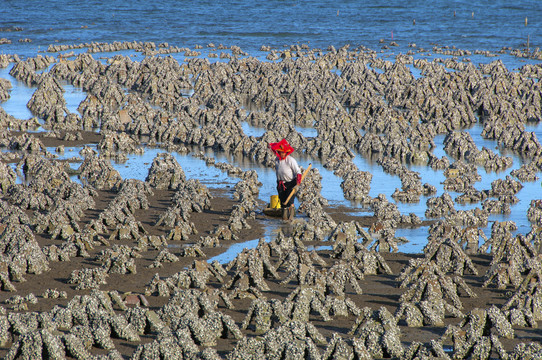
285,213
291,212
290,205
283,195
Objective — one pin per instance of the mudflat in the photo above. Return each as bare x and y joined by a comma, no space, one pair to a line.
119,268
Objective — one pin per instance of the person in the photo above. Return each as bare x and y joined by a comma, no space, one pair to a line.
288,176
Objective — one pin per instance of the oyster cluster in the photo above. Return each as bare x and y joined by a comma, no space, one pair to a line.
280,299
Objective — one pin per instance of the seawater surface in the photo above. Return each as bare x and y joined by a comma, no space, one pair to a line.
484,24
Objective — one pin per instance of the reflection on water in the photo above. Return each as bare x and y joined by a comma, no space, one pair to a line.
306,131
20,94
233,251
73,96
417,239
252,130
137,167
271,229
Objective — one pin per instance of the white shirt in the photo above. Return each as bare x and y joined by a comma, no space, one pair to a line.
287,169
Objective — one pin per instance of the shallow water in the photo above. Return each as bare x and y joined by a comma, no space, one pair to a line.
20,94
137,167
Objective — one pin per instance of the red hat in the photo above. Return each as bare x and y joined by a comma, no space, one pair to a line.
281,146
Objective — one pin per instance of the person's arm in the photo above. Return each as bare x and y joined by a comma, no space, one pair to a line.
296,170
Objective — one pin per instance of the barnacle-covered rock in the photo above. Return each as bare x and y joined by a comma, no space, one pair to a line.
163,256
479,332
417,350
304,231
339,275
266,314
448,255
306,274
187,302
471,195
383,236
115,145
312,201
426,312
526,351
19,302
5,328
496,207
50,189
345,237
246,190
192,251
196,276
505,187
384,210
426,281
465,172
526,172
96,323
7,177
168,345
77,347
132,196
130,229
438,207
119,259
356,185
190,196
468,238
527,298
511,256
5,87
256,265
211,326
304,299
99,173
297,261
341,306
469,218
22,323
534,213
165,172
88,278
379,332
28,143
370,262
21,252
36,344
292,340
339,348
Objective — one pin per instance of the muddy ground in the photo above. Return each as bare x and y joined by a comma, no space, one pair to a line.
378,290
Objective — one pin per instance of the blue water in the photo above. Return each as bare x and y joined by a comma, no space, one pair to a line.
468,25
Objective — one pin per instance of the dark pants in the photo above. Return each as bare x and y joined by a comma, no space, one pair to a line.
285,191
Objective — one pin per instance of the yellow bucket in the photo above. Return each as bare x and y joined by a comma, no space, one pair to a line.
275,202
